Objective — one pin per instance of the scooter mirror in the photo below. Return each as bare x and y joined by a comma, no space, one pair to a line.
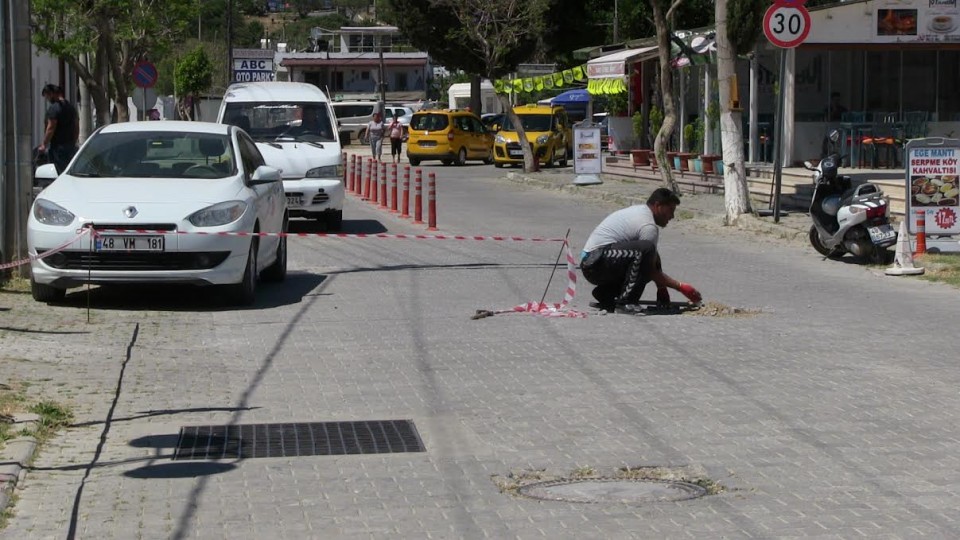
809,166
834,135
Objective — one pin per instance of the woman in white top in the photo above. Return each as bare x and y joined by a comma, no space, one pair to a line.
375,136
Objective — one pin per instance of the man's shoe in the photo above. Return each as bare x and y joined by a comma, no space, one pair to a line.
608,307
629,309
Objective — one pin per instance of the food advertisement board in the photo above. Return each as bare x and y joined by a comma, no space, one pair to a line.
926,20
586,150
933,185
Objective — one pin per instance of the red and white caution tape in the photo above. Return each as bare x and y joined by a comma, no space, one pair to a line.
553,310
65,245
339,235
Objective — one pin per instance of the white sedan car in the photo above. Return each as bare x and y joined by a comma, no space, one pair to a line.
160,202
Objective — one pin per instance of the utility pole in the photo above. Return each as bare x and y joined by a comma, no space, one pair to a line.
616,23
229,42
381,82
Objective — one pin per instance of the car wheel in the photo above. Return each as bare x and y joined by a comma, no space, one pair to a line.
498,165
446,161
46,293
414,161
462,157
489,159
245,292
277,271
334,220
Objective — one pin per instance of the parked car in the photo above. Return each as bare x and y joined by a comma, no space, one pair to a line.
548,131
294,129
451,136
405,114
184,182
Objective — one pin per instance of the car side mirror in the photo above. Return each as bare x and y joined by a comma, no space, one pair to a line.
46,172
265,175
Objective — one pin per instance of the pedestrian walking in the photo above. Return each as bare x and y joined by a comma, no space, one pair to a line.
375,136
620,256
62,129
396,138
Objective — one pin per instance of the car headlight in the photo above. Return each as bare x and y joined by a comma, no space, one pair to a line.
542,140
218,214
500,139
50,213
330,171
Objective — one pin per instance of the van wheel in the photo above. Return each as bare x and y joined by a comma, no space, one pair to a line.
446,161
498,165
362,137
414,161
462,157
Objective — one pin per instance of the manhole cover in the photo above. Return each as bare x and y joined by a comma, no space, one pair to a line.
613,490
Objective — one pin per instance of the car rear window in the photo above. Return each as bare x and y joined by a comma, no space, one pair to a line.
429,122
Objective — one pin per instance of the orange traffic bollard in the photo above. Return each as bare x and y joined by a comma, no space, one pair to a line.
431,202
921,232
405,203
383,185
418,196
368,172
375,184
393,188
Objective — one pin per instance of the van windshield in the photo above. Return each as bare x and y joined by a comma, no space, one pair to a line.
530,122
309,121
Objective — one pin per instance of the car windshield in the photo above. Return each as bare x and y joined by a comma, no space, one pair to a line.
156,154
308,121
429,122
530,122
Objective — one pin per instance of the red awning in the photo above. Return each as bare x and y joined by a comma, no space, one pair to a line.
351,62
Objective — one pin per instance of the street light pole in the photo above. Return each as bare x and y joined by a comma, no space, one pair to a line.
229,42
616,23
381,82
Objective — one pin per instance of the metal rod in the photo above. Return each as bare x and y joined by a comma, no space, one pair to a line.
554,271
778,143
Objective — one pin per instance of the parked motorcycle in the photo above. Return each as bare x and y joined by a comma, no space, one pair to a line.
847,219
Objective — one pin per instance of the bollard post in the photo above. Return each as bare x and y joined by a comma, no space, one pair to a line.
393,188
432,202
353,173
921,232
418,196
366,179
405,203
383,184
375,184
343,161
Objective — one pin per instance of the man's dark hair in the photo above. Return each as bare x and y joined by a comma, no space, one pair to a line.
663,196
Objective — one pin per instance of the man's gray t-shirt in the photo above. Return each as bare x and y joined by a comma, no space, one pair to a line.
625,225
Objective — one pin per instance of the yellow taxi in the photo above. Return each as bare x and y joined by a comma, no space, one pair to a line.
549,134
451,136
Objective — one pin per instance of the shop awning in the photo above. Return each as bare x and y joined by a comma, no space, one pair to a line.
615,64
351,62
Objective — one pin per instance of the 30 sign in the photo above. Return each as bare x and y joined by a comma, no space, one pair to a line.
787,23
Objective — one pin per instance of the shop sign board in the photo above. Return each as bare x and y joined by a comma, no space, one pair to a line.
586,150
933,171
252,65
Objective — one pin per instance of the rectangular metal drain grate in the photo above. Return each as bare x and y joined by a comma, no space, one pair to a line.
300,439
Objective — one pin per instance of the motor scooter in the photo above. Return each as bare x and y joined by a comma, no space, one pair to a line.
847,219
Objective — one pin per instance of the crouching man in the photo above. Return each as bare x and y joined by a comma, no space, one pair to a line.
620,256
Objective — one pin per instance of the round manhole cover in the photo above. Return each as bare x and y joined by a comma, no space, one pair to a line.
613,490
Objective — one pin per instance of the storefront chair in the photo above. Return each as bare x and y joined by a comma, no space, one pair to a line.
886,139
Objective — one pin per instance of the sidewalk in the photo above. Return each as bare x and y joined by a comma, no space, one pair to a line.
707,209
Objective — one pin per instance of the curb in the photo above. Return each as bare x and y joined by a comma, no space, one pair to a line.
16,455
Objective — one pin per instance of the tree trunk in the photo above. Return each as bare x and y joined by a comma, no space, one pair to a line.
666,91
735,192
476,101
528,157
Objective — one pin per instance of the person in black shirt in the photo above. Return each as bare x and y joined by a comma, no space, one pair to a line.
62,128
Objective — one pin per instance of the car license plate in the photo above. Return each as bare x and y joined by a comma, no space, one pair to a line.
129,243
428,144
294,200
882,233
516,153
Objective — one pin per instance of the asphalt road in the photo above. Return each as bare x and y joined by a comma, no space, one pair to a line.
830,412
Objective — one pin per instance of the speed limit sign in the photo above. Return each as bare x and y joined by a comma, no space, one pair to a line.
786,23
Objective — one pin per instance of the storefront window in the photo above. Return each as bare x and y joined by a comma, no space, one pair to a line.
812,96
919,81
846,79
948,107
882,86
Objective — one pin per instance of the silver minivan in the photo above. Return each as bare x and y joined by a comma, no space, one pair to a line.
354,116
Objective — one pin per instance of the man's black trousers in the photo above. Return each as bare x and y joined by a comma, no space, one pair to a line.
620,271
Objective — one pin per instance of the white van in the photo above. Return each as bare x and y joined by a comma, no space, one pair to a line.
459,94
295,130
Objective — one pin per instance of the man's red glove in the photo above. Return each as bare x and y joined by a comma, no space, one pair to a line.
663,297
692,294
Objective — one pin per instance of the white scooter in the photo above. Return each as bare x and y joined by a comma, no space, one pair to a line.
848,220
